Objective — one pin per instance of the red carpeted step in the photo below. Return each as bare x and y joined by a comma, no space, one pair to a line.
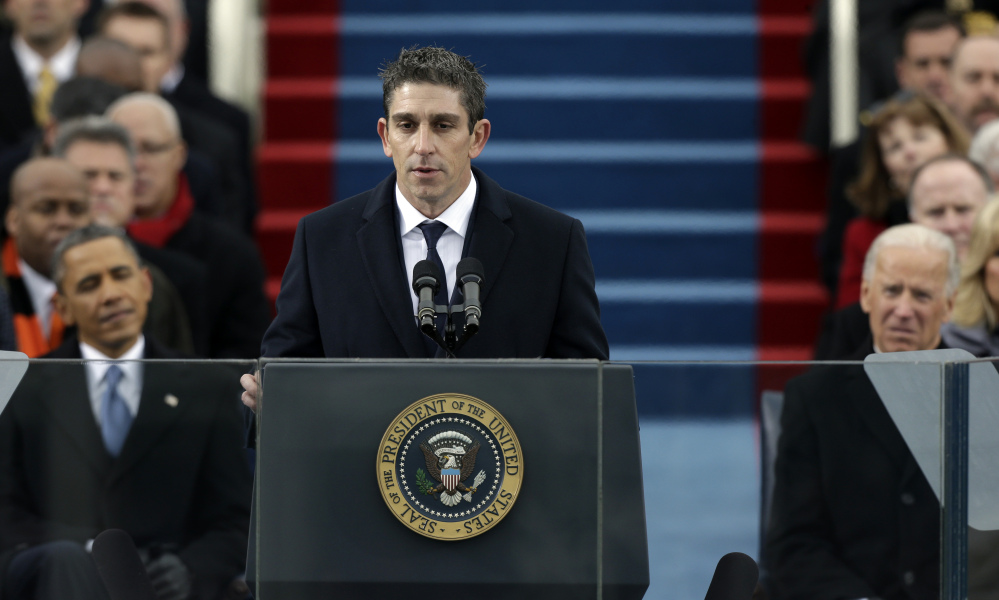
295,175
300,109
793,178
787,246
303,46
781,39
790,313
305,7
782,106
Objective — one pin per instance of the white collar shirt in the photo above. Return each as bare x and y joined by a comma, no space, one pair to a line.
130,386
41,289
451,243
62,64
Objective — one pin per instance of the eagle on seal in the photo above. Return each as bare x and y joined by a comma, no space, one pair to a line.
450,459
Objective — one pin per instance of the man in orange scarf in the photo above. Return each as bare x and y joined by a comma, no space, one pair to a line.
48,201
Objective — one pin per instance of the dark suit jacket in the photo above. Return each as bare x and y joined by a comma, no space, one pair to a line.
195,95
17,121
852,515
181,479
238,313
345,292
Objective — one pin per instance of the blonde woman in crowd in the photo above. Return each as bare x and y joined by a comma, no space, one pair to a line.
974,325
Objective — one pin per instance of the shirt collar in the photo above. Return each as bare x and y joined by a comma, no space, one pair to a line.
172,78
98,362
62,64
455,216
40,288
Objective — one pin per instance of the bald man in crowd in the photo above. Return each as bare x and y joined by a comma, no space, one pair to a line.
947,194
974,81
237,308
49,199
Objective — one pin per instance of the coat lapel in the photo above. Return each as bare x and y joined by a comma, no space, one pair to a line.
378,242
491,237
156,415
67,400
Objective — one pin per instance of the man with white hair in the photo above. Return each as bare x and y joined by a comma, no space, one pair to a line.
237,308
852,515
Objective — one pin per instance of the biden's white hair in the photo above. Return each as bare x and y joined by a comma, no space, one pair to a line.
912,235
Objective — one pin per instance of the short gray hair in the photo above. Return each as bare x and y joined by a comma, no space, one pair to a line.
82,236
144,98
98,130
912,235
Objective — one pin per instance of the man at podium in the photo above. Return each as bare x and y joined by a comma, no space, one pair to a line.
852,515
347,290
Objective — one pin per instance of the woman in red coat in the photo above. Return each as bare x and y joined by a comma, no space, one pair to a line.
903,133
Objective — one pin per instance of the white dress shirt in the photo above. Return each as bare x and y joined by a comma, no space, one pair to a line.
62,64
449,247
41,289
130,386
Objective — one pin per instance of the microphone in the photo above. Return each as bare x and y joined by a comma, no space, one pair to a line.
426,282
735,578
469,275
120,567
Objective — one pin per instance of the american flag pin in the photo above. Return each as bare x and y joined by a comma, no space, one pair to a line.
171,400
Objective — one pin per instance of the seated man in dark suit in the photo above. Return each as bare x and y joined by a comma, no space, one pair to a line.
154,449
852,515
347,290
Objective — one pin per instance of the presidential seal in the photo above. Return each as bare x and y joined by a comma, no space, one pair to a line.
450,467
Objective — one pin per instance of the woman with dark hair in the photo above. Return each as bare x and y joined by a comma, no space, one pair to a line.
905,132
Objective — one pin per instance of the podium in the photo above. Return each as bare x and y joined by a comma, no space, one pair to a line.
324,524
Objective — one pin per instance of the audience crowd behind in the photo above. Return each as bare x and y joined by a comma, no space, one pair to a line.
113,150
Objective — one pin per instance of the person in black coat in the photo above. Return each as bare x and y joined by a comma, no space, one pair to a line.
156,452
852,514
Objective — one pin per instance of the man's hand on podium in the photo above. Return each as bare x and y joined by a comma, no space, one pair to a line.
251,385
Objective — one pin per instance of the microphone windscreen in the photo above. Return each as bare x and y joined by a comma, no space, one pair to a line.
426,268
469,266
120,567
735,578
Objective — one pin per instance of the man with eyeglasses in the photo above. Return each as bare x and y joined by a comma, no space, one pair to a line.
166,218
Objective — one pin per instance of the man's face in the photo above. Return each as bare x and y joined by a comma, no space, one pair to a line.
149,39
426,135
49,203
105,294
906,298
947,197
171,9
111,180
974,82
45,22
926,64
159,158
